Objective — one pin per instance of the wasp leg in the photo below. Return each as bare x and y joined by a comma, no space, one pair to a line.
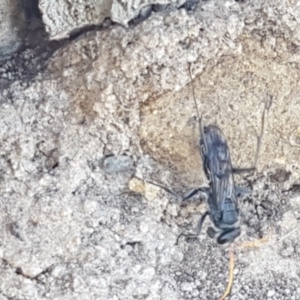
198,228
242,170
258,148
256,243
230,281
195,191
185,197
165,188
240,191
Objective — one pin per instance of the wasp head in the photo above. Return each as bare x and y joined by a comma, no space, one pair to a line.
224,236
226,225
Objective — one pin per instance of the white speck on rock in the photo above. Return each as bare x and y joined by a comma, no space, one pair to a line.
271,293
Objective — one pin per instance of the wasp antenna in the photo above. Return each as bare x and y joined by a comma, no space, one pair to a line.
230,281
193,90
200,119
260,137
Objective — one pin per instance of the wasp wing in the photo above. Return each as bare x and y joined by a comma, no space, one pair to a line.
218,169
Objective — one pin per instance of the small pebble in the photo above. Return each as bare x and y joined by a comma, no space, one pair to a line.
271,293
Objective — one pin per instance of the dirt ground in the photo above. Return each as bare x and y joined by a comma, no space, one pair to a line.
112,109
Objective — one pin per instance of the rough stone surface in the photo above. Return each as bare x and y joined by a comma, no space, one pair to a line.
63,17
10,22
113,110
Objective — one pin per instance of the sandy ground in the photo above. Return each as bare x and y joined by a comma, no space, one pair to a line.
114,105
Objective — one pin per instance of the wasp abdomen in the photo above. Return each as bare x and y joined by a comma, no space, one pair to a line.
231,215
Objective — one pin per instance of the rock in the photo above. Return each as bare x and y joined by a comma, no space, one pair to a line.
11,21
63,17
69,224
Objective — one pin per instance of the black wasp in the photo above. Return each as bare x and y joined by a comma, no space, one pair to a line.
222,193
